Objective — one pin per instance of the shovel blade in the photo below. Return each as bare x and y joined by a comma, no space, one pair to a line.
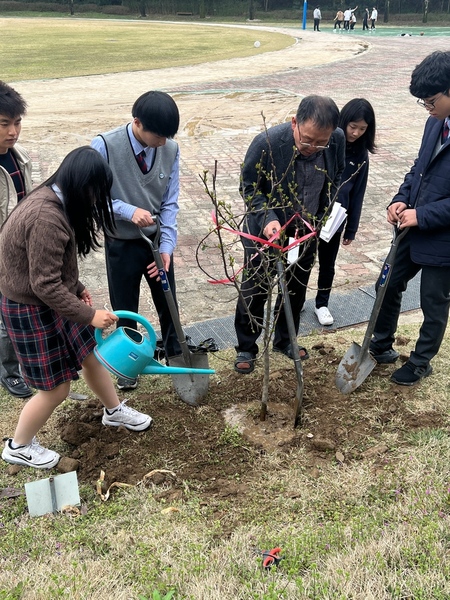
191,388
353,369
52,494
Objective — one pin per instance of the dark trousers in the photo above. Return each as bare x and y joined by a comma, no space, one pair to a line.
316,24
434,302
327,253
126,264
337,24
254,292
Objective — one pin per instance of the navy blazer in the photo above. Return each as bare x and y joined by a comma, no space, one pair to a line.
268,183
427,189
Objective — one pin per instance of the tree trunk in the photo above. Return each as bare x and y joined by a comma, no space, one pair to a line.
201,9
250,10
386,11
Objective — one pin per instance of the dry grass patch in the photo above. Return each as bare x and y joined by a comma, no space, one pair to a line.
52,48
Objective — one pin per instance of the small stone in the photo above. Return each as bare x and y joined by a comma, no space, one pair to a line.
13,469
67,465
340,457
323,444
375,451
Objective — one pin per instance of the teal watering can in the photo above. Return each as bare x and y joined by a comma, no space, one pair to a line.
127,353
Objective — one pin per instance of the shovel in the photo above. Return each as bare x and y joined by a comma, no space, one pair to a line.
191,388
357,363
52,494
293,341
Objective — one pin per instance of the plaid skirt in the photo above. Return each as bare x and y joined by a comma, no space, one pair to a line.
50,348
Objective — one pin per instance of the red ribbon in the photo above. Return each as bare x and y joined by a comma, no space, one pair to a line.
264,242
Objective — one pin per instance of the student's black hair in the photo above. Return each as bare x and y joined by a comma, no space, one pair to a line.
12,104
431,76
322,110
158,113
85,180
357,110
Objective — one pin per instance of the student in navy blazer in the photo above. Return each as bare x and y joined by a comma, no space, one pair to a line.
423,205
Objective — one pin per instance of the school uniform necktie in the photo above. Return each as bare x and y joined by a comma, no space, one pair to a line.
445,130
141,161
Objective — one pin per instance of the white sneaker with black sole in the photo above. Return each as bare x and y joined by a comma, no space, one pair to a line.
30,455
127,417
324,316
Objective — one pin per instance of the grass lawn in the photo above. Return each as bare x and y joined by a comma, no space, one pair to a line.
49,47
366,522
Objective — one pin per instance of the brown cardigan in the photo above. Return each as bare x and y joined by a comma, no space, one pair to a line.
38,257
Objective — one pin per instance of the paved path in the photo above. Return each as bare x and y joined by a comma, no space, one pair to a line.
379,70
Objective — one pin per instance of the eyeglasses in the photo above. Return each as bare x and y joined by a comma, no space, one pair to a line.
307,145
429,104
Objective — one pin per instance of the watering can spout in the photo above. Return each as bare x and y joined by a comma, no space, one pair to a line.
156,368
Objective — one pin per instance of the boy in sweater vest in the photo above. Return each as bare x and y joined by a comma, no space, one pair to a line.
145,163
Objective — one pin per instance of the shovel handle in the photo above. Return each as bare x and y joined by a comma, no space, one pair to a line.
383,281
154,246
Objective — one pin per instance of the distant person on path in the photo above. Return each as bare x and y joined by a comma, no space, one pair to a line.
290,169
353,21
422,205
145,163
47,311
338,19
366,19
15,183
317,17
373,18
348,16
357,120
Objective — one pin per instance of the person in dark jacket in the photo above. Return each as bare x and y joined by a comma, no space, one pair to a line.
290,169
422,205
357,121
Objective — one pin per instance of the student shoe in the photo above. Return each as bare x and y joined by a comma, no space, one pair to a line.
30,455
244,363
126,416
123,383
16,386
385,358
324,316
410,374
288,352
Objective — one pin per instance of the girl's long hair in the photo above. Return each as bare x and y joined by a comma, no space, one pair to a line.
85,180
356,110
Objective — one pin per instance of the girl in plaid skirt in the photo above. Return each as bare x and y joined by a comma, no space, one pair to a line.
47,311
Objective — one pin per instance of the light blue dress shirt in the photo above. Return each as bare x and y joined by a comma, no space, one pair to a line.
169,204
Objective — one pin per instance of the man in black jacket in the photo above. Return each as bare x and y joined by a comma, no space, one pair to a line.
290,169
422,204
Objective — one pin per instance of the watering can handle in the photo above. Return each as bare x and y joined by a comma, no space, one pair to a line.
127,314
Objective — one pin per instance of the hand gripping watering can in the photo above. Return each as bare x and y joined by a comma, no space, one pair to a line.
127,353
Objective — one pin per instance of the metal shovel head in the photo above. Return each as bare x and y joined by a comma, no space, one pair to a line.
191,388
353,369
52,494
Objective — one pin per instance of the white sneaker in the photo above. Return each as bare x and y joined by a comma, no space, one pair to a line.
31,455
324,316
128,417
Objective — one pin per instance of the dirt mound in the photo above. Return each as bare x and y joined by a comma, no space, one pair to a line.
214,449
